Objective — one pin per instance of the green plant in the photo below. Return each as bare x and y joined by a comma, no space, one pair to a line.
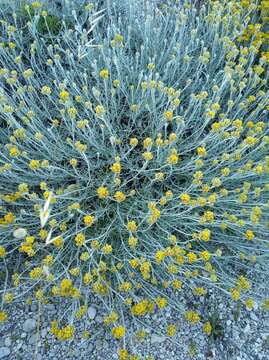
134,162
217,331
193,348
237,311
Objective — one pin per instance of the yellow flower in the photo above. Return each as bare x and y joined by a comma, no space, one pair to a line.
211,114
216,182
133,142
9,218
119,196
107,249
235,294
118,332
173,158
147,142
134,107
208,216
151,66
116,83
140,308
205,255
249,235
185,198
251,140
72,112
88,220
191,257
36,5
200,291
34,164
177,284
81,311
104,74
118,38
192,316
80,239
8,297
243,283
201,151
125,286
73,162
249,303
28,73
123,354
147,155
132,226
36,273
64,95
3,316
99,110
2,251
58,242
207,328
80,147
46,90
161,302
168,115
75,271
132,242
205,235
116,168
265,305
13,151
102,192
171,330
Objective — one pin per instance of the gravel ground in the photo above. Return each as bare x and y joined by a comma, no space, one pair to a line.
240,335
243,335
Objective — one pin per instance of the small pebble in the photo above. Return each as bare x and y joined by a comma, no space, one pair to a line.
157,339
29,325
91,312
8,342
4,352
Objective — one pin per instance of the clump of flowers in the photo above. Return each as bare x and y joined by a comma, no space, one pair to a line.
134,166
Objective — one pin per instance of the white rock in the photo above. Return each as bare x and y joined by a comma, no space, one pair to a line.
20,233
8,342
99,319
76,353
157,339
33,339
4,352
29,325
43,332
247,329
50,307
34,307
253,317
91,312
98,344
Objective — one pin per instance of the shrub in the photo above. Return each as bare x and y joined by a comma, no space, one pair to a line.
257,30
134,162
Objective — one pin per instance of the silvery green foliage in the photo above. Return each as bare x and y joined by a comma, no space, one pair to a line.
192,55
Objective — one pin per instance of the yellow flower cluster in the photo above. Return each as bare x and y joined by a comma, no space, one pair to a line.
66,333
135,181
